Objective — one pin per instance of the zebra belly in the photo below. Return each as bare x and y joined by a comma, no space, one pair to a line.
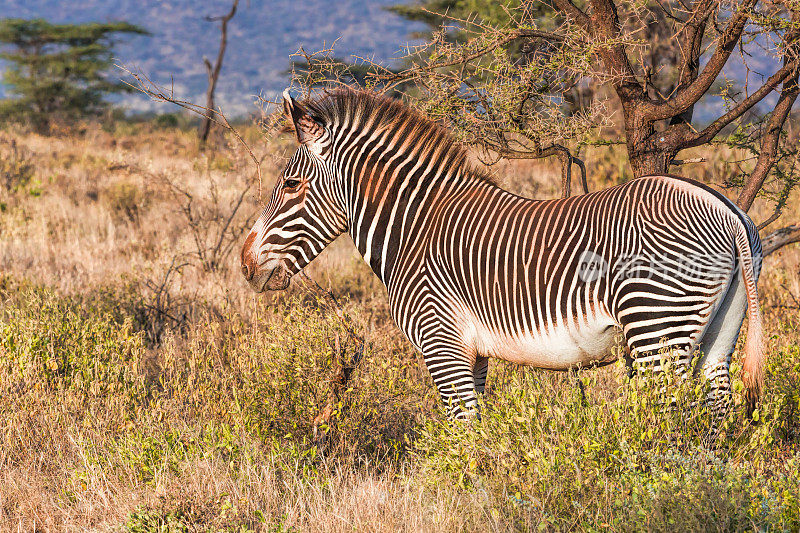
560,348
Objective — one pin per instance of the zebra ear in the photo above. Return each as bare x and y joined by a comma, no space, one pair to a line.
306,127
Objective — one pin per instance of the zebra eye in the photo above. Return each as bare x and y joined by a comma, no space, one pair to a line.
291,184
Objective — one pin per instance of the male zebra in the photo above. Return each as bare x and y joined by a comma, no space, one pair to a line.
473,271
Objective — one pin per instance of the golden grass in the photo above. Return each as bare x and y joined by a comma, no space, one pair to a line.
207,426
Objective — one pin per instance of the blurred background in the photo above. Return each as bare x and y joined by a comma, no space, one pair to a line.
263,35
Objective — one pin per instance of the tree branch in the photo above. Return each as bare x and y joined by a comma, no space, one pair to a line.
780,238
162,94
686,97
691,47
605,27
769,144
707,134
575,14
415,70
772,135
565,157
582,168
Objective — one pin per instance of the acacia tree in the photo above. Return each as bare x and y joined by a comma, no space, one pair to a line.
705,34
503,84
58,70
651,149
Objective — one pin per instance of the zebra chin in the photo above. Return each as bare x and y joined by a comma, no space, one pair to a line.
274,276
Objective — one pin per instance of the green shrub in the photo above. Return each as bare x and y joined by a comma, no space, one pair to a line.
214,161
53,345
166,121
541,456
242,397
154,521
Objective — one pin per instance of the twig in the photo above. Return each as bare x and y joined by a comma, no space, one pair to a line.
687,161
343,368
161,94
791,295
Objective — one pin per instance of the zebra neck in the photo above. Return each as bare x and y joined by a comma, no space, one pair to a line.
390,211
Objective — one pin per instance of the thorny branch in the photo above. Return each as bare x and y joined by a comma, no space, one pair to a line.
393,78
494,97
160,93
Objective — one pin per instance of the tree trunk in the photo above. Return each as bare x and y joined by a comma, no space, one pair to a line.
213,72
650,151
646,160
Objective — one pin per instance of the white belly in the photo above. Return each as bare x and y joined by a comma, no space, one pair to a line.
589,341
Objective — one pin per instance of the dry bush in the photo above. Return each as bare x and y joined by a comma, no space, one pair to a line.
215,222
162,308
138,394
16,168
214,429
125,200
17,173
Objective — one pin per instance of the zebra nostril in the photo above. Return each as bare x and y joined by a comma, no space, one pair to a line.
246,272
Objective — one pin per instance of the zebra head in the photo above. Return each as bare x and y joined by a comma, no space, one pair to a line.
303,215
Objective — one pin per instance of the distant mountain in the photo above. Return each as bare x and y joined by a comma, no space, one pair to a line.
261,38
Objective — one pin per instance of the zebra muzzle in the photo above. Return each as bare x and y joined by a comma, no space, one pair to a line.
274,277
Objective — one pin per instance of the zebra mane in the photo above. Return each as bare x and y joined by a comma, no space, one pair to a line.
429,140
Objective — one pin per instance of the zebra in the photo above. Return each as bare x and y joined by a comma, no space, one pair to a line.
475,272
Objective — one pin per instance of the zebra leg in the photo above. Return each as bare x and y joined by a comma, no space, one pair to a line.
718,343
452,372
657,334
479,373
651,356
719,398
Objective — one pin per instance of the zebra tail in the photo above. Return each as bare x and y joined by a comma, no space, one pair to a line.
754,348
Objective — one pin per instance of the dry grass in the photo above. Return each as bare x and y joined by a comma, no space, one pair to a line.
106,425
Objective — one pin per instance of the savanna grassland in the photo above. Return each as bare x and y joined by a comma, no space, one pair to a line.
143,386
